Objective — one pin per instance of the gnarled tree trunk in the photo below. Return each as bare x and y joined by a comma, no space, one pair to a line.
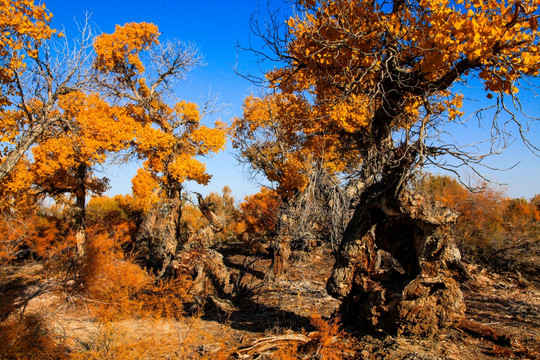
396,265
169,253
80,210
157,240
159,234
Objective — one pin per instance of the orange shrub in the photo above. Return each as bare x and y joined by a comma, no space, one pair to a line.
29,338
116,287
329,341
259,217
44,235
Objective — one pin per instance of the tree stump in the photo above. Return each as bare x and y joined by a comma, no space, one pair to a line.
281,251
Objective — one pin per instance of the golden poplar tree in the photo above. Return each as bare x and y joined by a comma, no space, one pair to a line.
64,163
140,71
37,67
381,78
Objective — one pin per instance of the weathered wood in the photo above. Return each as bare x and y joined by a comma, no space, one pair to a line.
281,251
483,331
209,273
267,344
396,265
158,236
206,209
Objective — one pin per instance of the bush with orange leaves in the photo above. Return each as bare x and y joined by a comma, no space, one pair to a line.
114,286
29,338
492,229
259,214
330,342
111,282
43,234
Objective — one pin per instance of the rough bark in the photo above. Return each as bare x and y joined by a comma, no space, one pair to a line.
80,210
281,251
281,248
396,266
12,159
170,252
158,237
209,273
216,224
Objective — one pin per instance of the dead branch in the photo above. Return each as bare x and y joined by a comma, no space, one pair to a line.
264,345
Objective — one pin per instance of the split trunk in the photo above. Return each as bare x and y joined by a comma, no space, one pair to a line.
397,267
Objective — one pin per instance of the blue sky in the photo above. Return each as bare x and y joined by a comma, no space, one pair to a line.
215,27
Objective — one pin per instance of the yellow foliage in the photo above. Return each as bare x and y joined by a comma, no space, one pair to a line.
488,221
14,189
94,129
145,191
118,51
331,342
282,135
352,57
167,137
259,215
184,167
24,26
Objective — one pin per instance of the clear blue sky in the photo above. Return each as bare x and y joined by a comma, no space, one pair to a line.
215,27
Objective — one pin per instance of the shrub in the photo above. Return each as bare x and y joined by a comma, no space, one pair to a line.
29,338
116,287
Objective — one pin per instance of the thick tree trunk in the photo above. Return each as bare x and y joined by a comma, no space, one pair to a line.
159,234
80,210
396,265
170,252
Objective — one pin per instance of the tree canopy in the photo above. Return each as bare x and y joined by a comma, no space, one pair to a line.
368,87
373,75
139,71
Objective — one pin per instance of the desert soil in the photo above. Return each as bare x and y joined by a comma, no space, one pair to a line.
507,304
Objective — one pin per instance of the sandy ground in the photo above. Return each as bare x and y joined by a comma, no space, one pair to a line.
509,306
